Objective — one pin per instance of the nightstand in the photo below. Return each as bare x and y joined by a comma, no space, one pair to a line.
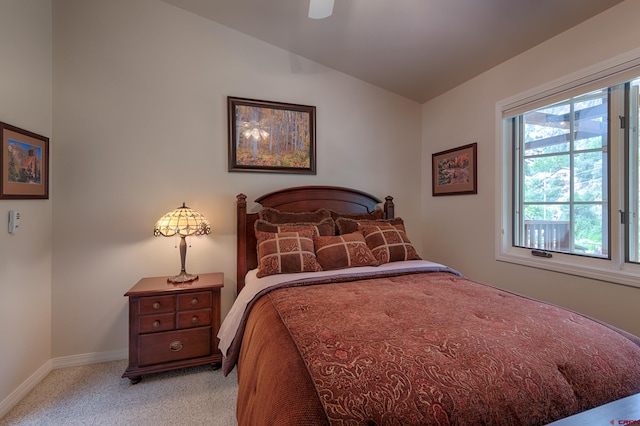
173,325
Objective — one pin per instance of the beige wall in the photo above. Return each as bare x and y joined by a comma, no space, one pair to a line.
460,230
25,257
140,115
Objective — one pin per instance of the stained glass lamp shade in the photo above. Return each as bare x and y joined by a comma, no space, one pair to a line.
182,222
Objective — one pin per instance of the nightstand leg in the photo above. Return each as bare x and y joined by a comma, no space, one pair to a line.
135,380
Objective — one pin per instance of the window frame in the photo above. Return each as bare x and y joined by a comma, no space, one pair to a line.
614,269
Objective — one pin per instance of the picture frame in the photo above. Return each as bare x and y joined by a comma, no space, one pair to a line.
455,171
24,162
271,137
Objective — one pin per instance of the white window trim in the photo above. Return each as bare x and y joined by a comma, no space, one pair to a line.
614,270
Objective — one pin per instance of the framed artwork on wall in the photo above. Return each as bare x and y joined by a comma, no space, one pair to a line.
25,164
274,137
455,171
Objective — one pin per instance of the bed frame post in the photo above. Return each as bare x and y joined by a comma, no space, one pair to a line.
241,211
389,208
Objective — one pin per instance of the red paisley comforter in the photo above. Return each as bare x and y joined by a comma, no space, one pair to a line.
427,349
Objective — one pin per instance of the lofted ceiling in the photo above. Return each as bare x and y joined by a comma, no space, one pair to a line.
418,49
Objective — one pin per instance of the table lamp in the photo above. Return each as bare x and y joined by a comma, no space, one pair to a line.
184,222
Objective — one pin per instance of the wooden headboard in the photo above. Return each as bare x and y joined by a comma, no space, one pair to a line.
298,199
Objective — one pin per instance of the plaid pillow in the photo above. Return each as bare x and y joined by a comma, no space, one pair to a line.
388,243
343,251
286,252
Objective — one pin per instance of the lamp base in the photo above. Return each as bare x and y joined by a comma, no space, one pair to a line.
182,277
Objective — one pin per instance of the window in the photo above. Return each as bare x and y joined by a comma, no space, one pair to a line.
632,202
571,178
560,176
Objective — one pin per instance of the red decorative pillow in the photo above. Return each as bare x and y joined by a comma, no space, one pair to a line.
324,227
347,225
374,215
286,252
388,243
343,251
272,215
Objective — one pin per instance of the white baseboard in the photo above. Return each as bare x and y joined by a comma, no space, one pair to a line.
90,358
24,388
55,363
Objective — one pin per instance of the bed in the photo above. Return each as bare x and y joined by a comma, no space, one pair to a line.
355,329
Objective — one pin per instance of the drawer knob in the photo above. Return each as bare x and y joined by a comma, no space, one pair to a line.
175,345
156,305
156,324
194,301
194,320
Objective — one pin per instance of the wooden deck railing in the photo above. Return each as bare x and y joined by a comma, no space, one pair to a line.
547,234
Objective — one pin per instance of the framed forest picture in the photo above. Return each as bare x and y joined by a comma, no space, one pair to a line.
274,137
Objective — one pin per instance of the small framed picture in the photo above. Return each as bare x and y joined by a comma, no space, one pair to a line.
455,171
275,137
25,164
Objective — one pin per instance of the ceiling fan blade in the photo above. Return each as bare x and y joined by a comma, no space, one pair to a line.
319,9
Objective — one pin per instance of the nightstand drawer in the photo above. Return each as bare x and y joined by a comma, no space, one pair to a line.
155,323
170,346
157,304
194,300
197,318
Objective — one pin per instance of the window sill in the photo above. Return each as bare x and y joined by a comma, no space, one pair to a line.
597,269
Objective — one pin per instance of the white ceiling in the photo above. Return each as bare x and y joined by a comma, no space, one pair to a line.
418,49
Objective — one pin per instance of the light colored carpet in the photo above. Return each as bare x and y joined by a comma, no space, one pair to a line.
97,395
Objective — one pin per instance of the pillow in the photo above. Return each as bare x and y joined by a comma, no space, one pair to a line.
276,216
324,227
343,251
374,215
388,243
346,225
286,252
